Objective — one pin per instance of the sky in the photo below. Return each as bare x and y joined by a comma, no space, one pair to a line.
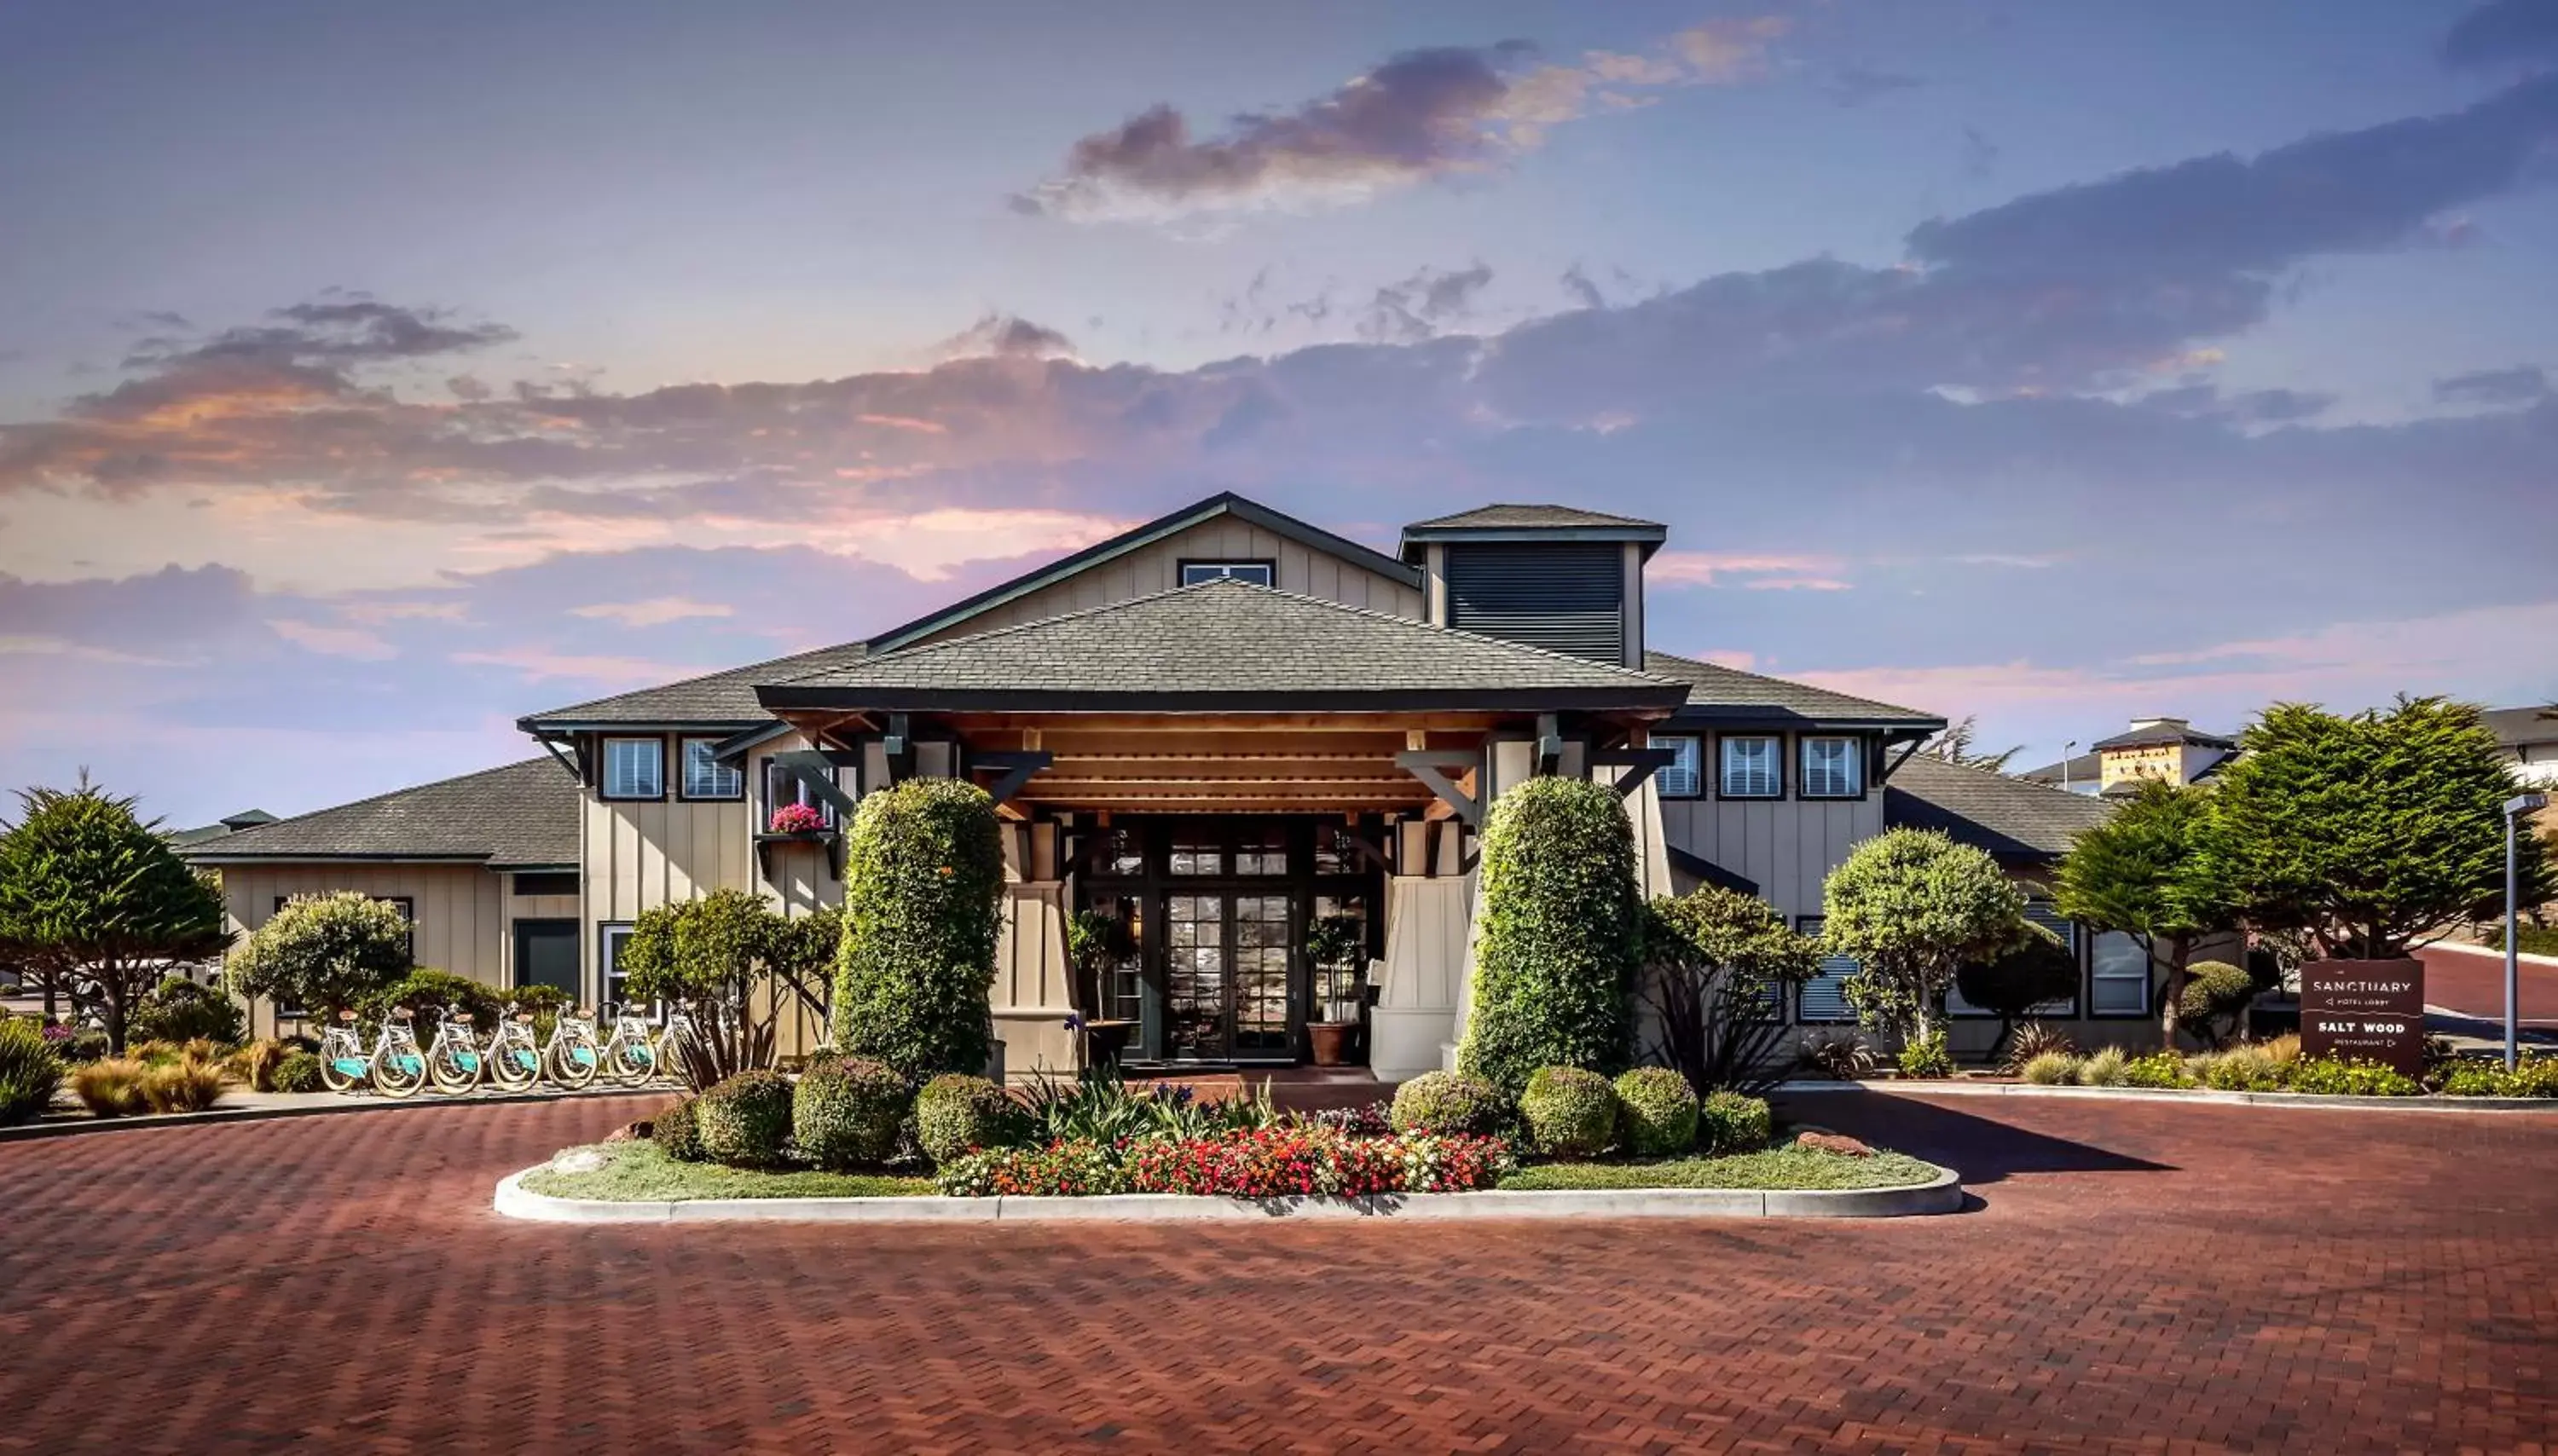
372,377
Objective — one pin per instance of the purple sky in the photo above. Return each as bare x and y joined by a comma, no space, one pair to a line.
373,375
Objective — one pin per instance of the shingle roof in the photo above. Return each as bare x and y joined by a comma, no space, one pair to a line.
2008,817
2086,768
2154,734
523,814
1527,518
1224,643
1721,691
2514,726
719,699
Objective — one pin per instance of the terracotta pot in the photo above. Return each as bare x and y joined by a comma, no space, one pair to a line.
1331,1042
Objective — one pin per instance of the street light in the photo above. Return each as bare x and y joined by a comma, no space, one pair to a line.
2515,809
2066,749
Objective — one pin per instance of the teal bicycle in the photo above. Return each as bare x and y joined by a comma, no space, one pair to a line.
394,1066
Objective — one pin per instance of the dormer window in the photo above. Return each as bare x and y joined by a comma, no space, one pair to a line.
1258,573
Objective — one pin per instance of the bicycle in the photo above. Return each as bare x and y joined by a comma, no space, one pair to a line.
669,1043
344,1062
453,1061
515,1062
395,1066
628,1056
571,1057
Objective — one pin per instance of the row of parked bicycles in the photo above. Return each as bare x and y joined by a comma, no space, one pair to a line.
456,1060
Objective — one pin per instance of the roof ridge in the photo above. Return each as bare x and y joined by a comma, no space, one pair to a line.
574,708
2000,774
1761,677
903,654
433,783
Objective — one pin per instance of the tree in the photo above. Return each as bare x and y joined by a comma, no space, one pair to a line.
924,885
2148,872
1910,906
710,953
1717,967
1954,745
323,953
95,901
2371,832
1559,935
2009,986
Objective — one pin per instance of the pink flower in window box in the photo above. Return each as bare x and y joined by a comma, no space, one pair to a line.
798,819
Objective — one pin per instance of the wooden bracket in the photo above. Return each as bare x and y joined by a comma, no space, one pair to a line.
816,767
1550,743
1437,768
1016,764
1638,763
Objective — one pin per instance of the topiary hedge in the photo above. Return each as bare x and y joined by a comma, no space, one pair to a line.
1728,1122
846,1110
924,884
28,1071
745,1121
1570,1112
1655,1112
1449,1103
2216,995
1560,934
957,1114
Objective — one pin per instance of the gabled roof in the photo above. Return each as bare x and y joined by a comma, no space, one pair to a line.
2164,733
1224,503
2086,768
228,823
1728,695
525,814
1225,645
2517,725
721,700
1531,523
2011,818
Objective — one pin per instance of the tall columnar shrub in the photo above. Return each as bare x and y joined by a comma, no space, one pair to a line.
1910,906
323,953
922,906
1560,934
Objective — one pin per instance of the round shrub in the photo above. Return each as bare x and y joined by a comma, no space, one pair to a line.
923,904
745,1121
1657,1111
1570,1112
956,1114
1729,1121
1561,934
2049,1069
1448,1103
2216,995
179,1009
675,1132
845,1111
28,1071
295,1071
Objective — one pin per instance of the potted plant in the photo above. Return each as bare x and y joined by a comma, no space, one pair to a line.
798,819
1336,944
1094,941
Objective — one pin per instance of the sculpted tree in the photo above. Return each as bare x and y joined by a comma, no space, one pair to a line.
2148,872
1560,935
1717,967
1910,906
323,953
924,885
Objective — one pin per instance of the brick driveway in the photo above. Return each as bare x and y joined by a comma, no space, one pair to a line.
2138,1277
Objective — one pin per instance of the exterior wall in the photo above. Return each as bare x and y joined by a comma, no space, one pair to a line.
460,911
1423,984
1157,568
1787,845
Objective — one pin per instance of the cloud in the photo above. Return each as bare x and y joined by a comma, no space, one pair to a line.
2503,30
599,670
1421,114
1000,335
1757,570
656,611
331,641
2523,384
1421,305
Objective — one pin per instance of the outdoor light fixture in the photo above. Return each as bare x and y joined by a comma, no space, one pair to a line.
2066,749
2515,809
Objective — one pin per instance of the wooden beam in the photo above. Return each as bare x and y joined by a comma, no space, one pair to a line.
1188,723
1433,768
1015,768
1638,763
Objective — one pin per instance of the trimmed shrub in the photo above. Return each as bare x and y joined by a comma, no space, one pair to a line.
845,1111
1657,1111
1569,1112
179,1009
323,953
2217,996
2349,1077
2051,1069
29,1071
957,1114
2157,1069
1728,1122
745,1121
675,1131
923,904
112,1087
427,992
295,1071
2108,1067
1560,934
1928,1055
1449,1103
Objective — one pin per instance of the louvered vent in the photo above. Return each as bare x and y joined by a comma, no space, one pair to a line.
1563,596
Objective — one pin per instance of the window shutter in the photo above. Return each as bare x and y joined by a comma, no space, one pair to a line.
1563,596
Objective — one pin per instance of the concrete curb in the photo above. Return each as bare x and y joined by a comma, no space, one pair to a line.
326,1104
2425,1104
1943,1195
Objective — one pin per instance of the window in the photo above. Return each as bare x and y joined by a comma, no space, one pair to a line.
782,786
634,768
1751,769
1258,573
2118,975
610,939
2041,913
545,882
1833,769
705,777
1684,777
1197,854
1824,997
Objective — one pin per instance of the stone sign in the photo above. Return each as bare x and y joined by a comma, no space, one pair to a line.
2371,1011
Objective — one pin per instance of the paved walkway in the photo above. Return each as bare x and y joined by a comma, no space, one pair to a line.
2139,1278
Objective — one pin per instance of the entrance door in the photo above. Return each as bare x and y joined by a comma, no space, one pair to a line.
547,955
1225,982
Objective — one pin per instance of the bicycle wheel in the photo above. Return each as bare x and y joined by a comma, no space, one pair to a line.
573,1061
342,1068
628,1062
515,1066
454,1069
398,1071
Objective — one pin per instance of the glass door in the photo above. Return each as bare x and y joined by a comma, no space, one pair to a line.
1198,1019
1262,952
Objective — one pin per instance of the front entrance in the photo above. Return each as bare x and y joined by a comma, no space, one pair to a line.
1209,924
547,955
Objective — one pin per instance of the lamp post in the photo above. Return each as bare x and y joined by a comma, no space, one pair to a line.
2066,749
2515,809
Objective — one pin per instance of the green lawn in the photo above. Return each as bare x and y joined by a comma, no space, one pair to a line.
1776,1167
637,1172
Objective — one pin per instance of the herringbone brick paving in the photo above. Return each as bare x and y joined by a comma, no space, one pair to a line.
2137,1278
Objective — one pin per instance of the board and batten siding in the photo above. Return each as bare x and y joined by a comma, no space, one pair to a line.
1157,568
459,912
1787,845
